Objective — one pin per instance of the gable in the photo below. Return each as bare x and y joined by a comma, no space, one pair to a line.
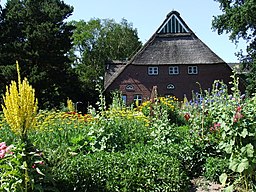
173,43
173,25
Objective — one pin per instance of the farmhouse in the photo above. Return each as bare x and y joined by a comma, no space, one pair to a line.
174,60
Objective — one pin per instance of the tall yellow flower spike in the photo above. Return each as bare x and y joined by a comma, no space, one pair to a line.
20,106
70,105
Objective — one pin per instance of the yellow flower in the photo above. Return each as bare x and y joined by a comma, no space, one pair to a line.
20,106
70,105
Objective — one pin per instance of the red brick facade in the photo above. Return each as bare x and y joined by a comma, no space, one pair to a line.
184,83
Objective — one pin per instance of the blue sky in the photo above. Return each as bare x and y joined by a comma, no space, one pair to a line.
148,15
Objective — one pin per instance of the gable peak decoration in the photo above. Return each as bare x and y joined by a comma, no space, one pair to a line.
173,24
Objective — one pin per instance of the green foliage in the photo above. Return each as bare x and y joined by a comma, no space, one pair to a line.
68,133
97,41
169,104
214,167
23,170
119,128
139,169
227,122
11,176
118,148
34,33
184,142
238,19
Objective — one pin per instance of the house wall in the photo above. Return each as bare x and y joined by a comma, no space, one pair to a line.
184,83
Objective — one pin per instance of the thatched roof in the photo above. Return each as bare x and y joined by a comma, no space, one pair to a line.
173,43
175,49
113,70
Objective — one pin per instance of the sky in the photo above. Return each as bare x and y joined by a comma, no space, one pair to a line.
147,15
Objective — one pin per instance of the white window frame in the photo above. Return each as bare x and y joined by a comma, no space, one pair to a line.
153,70
170,86
137,97
174,70
192,70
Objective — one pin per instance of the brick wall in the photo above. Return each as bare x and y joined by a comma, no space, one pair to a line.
184,83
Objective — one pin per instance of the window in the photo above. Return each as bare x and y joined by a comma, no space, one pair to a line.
192,70
137,100
124,98
153,70
173,25
173,70
170,86
129,87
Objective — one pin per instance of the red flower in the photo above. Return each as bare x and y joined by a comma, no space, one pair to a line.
237,116
238,109
216,125
187,116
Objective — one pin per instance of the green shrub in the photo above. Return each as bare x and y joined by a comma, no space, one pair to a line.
120,129
214,167
183,143
140,169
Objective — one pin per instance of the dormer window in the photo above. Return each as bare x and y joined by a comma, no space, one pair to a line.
192,70
152,70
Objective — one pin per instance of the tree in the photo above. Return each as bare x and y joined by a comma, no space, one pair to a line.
35,33
239,20
96,42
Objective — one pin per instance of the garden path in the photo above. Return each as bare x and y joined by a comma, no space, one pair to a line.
202,185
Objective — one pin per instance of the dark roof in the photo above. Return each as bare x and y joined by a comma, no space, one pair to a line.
175,48
112,71
238,68
173,43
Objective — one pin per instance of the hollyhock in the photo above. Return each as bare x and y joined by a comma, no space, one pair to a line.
7,150
3,146
237,116
2,154
238,109
216,125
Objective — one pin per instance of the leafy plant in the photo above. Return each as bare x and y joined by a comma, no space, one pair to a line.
139,169
19,175
11,172
214,167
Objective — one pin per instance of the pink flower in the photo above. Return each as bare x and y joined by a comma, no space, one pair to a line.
216,125
2,154
7,150
2,146
238,109
237,116
41,163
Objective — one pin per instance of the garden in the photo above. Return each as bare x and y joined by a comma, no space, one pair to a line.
160,145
